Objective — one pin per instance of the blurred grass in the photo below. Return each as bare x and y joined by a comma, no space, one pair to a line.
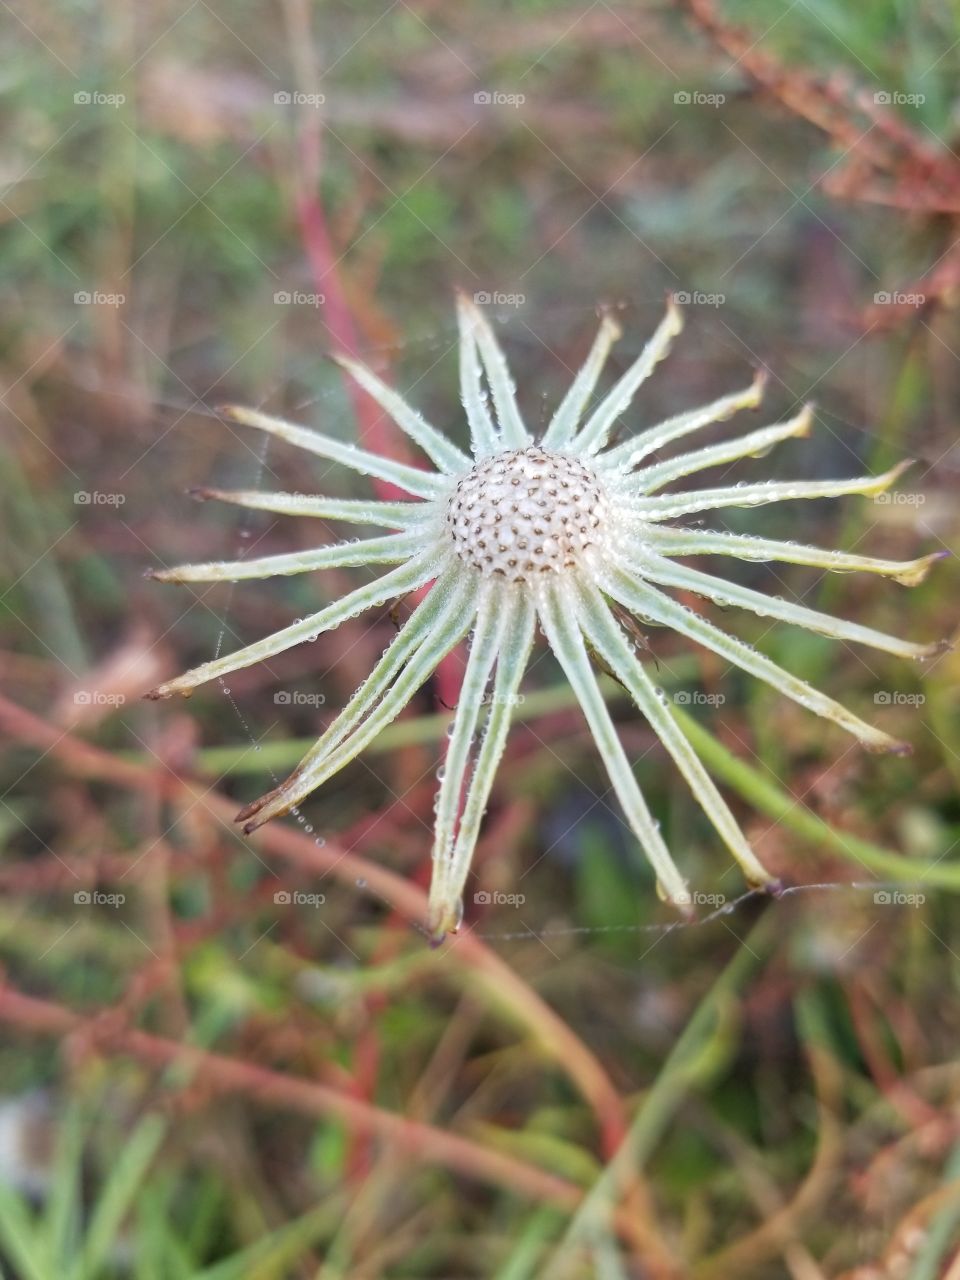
815,1088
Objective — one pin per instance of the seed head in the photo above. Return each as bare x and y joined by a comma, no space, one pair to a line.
525,512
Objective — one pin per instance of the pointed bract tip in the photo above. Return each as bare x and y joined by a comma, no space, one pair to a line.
899,468
610,322
931,650
249,810
805,420
773,887
444,918
342,359
674,315
154,695
761,376
234,412
913,572
884,745
201,494
466,302
681,901
882,482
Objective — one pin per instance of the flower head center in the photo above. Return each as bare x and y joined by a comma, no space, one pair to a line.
526,512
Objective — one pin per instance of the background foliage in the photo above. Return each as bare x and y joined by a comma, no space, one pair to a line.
204,1076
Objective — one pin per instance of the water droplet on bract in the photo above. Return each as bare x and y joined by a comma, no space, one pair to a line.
308,829
441,773
361,882
226,688
319,841
245,533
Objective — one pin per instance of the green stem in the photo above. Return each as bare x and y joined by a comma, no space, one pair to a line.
791,812
761,792
697,1055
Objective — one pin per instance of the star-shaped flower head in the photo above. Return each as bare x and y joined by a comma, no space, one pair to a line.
566,532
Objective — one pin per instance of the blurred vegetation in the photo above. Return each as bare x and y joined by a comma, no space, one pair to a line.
780,1082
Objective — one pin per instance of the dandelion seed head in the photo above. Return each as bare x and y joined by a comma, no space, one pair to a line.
572,539
525,512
